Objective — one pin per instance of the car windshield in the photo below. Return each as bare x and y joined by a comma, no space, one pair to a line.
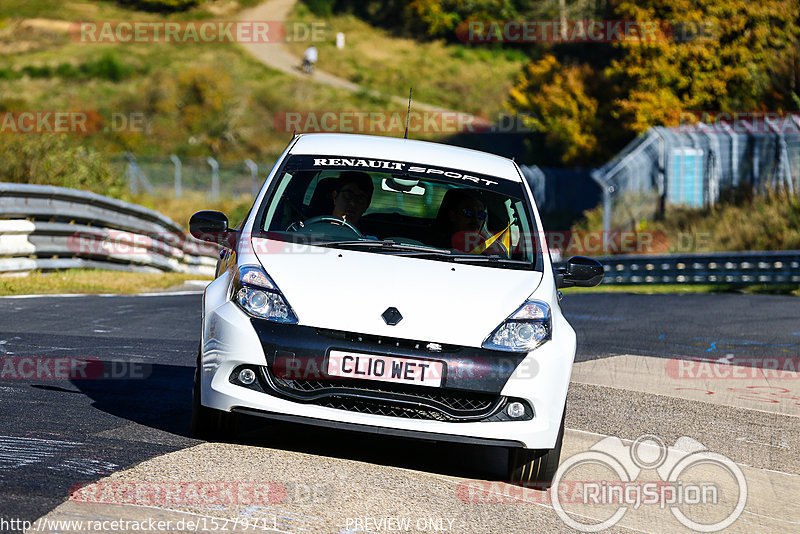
401,208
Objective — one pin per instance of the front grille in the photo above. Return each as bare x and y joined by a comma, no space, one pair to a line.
395,400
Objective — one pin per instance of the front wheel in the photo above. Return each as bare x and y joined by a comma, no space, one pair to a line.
535,468
207,423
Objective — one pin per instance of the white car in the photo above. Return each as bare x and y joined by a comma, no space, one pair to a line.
395,287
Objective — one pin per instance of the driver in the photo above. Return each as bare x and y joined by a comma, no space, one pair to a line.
352,195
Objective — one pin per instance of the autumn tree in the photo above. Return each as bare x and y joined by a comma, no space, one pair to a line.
708,55
555,99
702,55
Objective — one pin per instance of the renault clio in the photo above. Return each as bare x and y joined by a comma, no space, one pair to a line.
396,287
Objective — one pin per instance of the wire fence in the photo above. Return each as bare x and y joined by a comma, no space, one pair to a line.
173,176
697,167
694,166
569,191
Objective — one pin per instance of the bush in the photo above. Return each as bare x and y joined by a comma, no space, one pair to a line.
37,72
320,8
108,67
57,160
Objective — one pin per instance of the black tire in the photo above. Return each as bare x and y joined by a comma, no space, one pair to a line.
207,423
535,468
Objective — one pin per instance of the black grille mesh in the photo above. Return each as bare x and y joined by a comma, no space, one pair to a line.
387,409
394,400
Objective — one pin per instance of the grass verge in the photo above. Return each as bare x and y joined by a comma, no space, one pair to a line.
181,209
92,281
741,221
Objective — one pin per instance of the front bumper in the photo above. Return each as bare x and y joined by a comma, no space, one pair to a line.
539,379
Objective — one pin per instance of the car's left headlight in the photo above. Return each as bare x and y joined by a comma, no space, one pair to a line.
257,294
524,330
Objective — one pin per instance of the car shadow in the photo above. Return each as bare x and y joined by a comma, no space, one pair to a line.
161,399
445,458
157,396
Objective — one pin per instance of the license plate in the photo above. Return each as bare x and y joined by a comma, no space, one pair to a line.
385,368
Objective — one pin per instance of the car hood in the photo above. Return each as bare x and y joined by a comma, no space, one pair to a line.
349,290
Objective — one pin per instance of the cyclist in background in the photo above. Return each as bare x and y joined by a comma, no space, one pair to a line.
309,58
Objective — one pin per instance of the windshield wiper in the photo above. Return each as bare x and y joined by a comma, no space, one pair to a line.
494,258
388,245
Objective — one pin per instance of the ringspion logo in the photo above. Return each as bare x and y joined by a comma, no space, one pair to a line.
606,480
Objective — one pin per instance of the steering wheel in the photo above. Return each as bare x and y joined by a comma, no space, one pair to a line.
303,226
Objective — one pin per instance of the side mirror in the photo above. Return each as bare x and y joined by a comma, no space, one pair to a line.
580,272
212,227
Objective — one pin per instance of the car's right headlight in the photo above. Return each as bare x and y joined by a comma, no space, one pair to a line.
259,297
524,330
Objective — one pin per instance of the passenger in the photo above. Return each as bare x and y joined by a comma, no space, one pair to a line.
352,195
460,221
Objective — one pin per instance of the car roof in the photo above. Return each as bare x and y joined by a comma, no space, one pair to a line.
407,150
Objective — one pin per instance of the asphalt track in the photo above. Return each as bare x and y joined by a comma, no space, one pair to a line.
57,433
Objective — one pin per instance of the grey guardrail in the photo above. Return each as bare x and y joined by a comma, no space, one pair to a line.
774,267
48,227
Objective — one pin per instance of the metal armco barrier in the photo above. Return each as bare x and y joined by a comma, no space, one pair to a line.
780,267
47,227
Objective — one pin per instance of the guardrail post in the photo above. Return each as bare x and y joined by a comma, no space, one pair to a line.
214,178
607,216
607,190
250,164
178,169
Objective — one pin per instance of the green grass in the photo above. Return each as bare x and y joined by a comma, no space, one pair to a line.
90,281
198,99
206,99
662,289
96,10
181,209
473,79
